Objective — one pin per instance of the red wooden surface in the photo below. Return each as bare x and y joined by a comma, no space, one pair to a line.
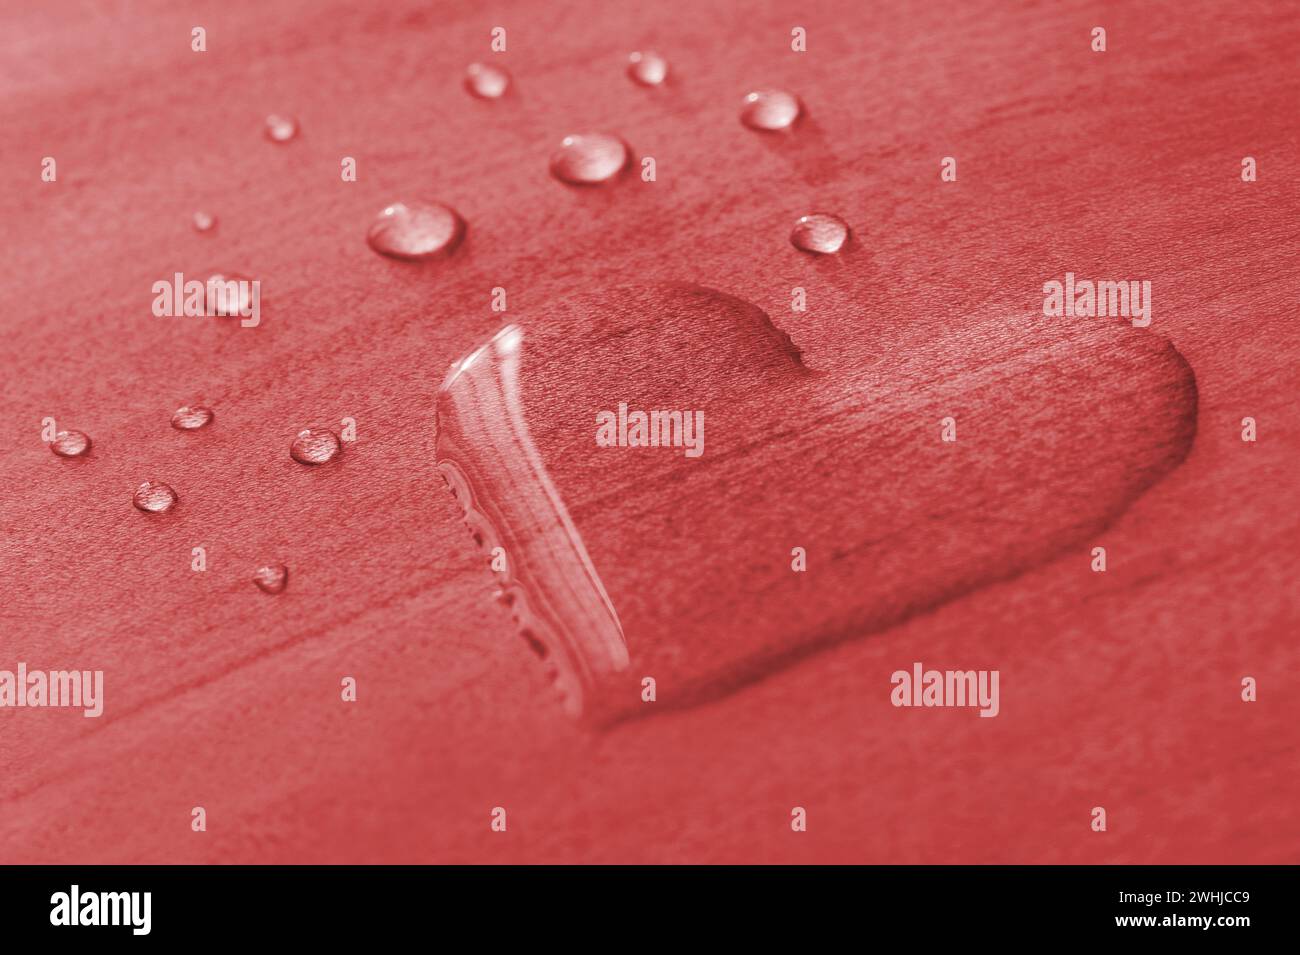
1118,690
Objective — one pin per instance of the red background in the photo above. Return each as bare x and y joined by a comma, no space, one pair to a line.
1119,690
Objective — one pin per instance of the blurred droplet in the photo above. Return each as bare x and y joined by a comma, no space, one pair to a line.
769,110
189,418
204,222
272,578
70,444
281,129
154,497
416,231
314,446
486,81
648,69
588,158
227,294
819,233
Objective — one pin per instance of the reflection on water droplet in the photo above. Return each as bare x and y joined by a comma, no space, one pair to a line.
417,231
70,444
227,294
189,418
648,69
281,129
487,457
314,446
769,110
485,81
588,158
819,233
204,222
154,497
272,578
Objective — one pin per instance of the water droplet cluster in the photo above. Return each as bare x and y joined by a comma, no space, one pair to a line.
312,446
416,231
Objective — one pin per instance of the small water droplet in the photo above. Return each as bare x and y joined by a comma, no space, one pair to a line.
189,418
819,233
227,294
314,446
272,578
648,69
588,158
769,110
417,231
485,81
70,444
204,221
281,129
154,497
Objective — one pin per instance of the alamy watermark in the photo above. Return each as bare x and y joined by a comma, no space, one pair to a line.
921,687
1085,298
72,688
75,907
227,295
651,429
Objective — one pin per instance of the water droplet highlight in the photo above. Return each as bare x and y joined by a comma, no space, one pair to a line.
648,69
485,81
154,497
770,110
588,158
272,578
819,233
281,129
191,418
204,222
228,294
417,231
70,444
314,446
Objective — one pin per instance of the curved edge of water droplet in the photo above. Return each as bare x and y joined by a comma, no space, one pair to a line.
485,453
770,328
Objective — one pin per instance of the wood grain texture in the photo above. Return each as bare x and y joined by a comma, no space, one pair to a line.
1119,689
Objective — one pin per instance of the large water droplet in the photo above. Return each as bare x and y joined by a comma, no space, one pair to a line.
417,231
588,158
228,294
648,69
154,497
486,81
189,418
769,110
819,233
70,444
281,129
272,578
204,221
314,446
